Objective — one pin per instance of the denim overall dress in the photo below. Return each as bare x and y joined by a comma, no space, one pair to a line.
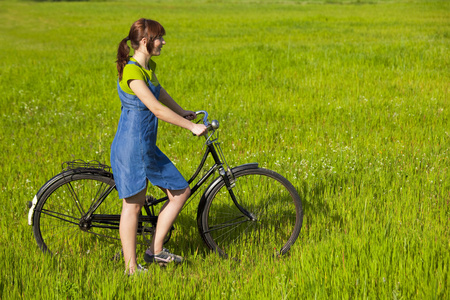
134,154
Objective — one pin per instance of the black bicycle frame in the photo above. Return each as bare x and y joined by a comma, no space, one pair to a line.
90,219
111,221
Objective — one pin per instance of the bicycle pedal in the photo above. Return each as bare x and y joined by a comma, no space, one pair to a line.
149,198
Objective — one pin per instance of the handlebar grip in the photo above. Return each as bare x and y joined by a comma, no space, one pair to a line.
210,126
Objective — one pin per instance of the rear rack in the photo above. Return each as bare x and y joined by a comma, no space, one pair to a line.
81,164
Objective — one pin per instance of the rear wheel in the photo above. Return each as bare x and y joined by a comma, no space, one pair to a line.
269,197
67,220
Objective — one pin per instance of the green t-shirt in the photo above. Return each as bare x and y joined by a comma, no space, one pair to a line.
132,71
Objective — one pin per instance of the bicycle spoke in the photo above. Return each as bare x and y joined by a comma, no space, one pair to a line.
75,198
228,233
240,236
225,225
98,196
57,216
58,236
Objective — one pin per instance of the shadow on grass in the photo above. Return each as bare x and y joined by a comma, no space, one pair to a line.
275,216
315,206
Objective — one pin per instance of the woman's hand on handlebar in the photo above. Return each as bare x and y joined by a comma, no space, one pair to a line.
189,115
199,129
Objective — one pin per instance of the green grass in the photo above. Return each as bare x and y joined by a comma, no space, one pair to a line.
350,102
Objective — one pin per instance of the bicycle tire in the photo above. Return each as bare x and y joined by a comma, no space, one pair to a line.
267,195
56,221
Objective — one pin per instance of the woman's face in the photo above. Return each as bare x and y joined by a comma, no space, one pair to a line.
157,45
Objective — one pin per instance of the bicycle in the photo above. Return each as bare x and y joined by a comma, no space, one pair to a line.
77,210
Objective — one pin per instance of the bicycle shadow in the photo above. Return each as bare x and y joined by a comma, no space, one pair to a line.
188,233
316,209
186,237
318,218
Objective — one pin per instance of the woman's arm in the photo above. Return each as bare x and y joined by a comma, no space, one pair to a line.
168,101
162,112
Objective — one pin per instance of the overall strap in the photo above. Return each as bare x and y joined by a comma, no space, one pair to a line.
130,102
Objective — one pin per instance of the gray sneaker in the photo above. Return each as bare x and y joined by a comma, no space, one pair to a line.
163,258
149,256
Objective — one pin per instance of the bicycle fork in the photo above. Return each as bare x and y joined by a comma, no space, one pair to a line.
230,184
227,175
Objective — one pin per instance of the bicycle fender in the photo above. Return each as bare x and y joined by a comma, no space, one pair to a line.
39,195
213,184
31,211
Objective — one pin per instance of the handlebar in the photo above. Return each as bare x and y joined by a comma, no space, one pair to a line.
205,116
211,126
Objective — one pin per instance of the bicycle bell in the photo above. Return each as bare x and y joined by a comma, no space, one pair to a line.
215,124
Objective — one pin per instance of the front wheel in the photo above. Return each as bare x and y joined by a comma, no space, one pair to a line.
267,196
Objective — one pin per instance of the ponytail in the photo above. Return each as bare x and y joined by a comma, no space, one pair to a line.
123,56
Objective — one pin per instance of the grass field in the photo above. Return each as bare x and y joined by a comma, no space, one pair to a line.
348,100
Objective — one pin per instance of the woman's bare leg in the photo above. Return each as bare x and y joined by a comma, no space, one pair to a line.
128,228
167,216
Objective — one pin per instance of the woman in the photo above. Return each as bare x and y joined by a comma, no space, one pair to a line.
135,158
